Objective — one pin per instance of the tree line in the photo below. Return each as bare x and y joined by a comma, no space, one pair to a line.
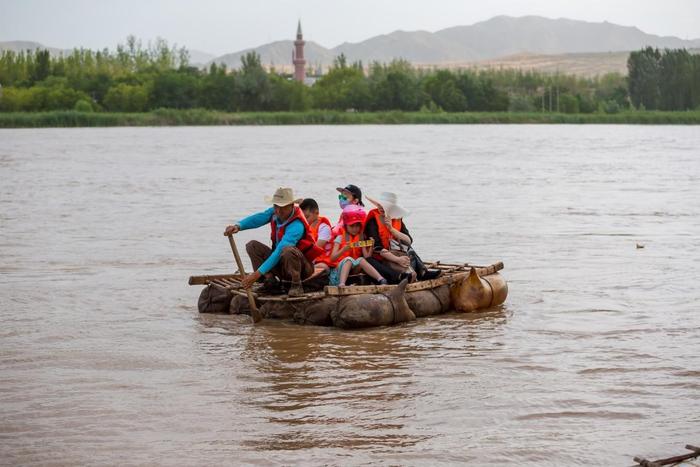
668,80
135,78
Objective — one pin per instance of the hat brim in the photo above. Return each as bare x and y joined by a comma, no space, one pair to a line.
396,212
271,200
375,202
393,210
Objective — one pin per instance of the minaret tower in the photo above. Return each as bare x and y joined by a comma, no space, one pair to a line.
298,56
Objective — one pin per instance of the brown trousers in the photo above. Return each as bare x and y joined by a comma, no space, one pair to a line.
293,265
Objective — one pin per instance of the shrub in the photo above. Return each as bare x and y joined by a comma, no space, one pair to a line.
521,104
127,98
568,104
611,107
82,106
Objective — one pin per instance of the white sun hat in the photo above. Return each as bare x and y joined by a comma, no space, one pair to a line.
389,202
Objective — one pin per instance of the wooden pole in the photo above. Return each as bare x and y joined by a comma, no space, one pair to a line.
670,460
254,312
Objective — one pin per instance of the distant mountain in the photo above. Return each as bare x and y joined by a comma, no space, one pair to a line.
280,53
502,41
199,58
498,37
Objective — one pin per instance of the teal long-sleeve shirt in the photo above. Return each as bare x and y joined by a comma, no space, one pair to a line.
293,232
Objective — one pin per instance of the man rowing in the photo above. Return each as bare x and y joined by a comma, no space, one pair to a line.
293,248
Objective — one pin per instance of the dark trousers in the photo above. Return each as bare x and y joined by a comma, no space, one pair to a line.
293,265
387,272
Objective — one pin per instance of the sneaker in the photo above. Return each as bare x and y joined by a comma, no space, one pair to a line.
406,275
429,274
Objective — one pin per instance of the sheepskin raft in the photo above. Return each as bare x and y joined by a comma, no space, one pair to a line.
461,288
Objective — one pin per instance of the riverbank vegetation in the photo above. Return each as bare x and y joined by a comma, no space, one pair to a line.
202,117
155,85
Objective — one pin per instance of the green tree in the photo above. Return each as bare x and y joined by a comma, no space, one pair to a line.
174,89
288,95
83,106
42,66
341,88
695,86
127,98
473,91
395,87
522,104
568,104
253,84
643,69
676,80
586,104
218,89
442,89
612,86
497,100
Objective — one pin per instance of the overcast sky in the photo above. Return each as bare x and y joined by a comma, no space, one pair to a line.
223,26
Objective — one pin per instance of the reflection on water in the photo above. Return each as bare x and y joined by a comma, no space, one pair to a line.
357,389
592,360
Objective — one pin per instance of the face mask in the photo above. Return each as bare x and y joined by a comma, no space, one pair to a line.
343,201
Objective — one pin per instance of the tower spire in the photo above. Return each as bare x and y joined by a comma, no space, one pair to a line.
298,56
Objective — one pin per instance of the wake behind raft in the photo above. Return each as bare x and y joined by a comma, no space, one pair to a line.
460,288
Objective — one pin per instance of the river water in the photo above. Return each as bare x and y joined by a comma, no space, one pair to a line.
594,357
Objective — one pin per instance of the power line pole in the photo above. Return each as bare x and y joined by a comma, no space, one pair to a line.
543,92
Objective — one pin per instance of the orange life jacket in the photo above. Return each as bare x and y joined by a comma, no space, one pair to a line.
346,238
307,245
384,233
313,228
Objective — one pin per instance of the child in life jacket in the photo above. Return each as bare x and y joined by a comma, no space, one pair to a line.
319,226
350,248
321,231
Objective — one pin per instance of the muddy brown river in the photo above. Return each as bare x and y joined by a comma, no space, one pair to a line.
593,359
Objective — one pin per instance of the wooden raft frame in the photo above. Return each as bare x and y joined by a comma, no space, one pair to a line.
451,274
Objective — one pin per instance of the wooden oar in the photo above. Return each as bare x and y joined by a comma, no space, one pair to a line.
254,312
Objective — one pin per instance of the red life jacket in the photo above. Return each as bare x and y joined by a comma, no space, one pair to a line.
313,228
384,233
307,245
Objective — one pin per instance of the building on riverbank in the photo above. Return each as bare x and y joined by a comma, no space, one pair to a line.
298,56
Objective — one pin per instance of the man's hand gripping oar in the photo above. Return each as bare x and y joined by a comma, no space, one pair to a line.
254,312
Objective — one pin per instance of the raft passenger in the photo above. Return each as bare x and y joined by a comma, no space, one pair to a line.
393,255
320,227
293,248
351,194
348,196
347,254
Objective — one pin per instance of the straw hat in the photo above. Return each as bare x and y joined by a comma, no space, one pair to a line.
282,197
389,202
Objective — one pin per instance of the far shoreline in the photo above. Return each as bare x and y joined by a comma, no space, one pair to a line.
200,117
